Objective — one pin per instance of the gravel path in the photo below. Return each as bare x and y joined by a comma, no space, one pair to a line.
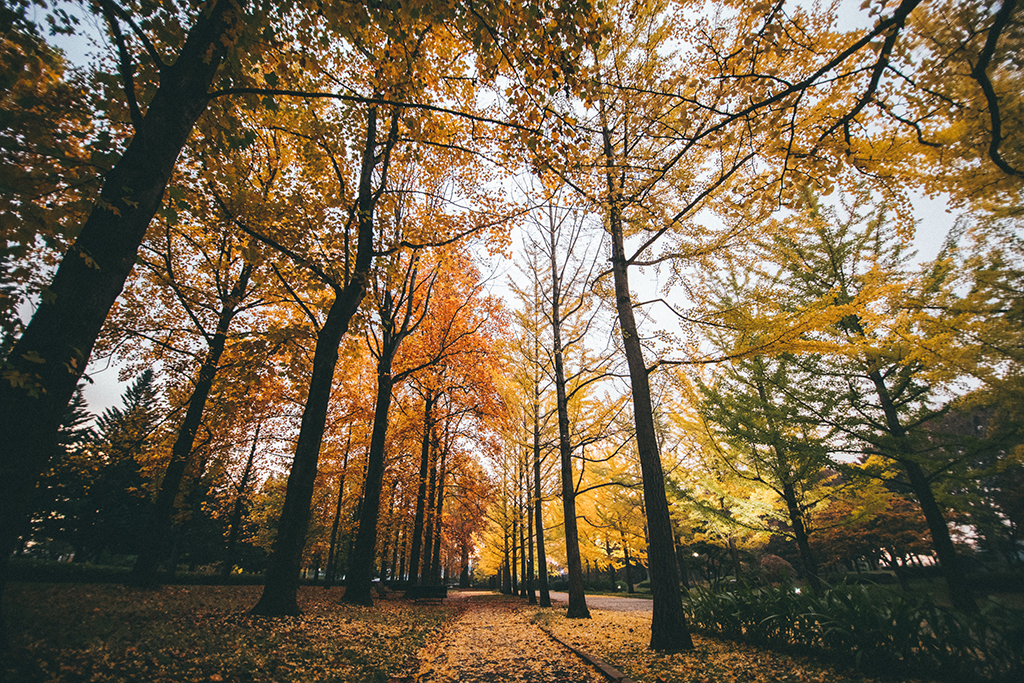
609,602
492,640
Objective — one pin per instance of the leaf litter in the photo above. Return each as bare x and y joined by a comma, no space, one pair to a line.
494,639
621,639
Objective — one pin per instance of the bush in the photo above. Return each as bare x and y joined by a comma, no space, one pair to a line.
897,634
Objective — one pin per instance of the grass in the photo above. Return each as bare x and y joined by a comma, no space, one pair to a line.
63,633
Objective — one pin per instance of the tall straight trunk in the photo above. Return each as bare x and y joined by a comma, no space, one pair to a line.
152,543
514,567
435,564
332,553
629,568
795,513
577,599
524,584
669,630
506,585
421,491
403,554
428,527
282,576
530,566
542,559
464,566
54,349
239,508
960,592
360,572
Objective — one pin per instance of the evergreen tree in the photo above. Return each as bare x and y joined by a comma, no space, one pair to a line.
125,437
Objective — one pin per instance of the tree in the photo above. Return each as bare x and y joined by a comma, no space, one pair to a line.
849,276
126,438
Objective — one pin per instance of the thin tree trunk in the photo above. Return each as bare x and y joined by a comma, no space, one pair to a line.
800,534
239,508
152,542
530,567
629,569
428,526
542,560
435,565
332,556
577,599
421,492
464,568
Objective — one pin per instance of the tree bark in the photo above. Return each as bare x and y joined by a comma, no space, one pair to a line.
542,560
421,492
577,599
360,572
669,630
282,577
435,564
50,356
960,593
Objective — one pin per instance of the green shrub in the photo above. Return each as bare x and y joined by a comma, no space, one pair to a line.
876,631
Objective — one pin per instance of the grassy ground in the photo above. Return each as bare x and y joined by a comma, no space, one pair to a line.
67,633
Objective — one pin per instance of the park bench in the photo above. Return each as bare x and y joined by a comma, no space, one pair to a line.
426,593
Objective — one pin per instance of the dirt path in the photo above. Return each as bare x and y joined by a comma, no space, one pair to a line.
493,640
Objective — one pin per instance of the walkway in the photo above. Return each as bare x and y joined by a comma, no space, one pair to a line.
493,640
610,602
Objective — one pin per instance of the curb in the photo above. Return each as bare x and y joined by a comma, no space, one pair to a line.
608,670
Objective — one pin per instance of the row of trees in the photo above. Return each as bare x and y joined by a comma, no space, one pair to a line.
287,175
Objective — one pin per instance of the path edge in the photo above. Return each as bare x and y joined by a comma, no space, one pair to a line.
604,667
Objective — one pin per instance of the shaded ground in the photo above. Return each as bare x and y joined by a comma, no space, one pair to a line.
621,638
494,640
71,633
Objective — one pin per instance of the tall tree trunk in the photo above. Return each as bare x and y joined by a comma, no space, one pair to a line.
796,520
435,564
530,567
577,600
152,544
960,593
239,508
428,525
542,559
360,572
464,566
669,630
282,577
524,584
514,566
421,491
629,568
506,584
52,353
